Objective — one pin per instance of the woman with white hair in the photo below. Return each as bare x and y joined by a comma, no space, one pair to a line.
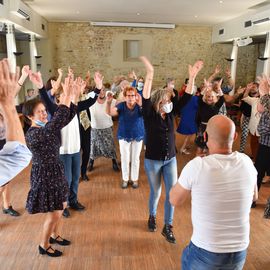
209,105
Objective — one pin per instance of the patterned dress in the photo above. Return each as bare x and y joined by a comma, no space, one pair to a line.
49,188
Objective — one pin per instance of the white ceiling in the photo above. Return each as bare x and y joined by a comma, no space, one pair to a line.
206,12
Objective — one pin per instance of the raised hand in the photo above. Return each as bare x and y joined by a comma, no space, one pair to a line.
264,87
8,83
194,70
132,75
228,72
60,72
149,77
147,64
25,71
98,78
240,90
70,71
36,79
217,69
109,97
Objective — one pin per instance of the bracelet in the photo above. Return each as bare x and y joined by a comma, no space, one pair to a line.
19,84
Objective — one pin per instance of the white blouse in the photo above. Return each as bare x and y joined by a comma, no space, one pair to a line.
255,115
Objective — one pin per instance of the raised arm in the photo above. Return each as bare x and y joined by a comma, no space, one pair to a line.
231,81
56,84
110,110
214,74
193,72
25,72
8,88
148,78
264,85
36,79
85,104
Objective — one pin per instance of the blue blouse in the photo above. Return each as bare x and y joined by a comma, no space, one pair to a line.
130,126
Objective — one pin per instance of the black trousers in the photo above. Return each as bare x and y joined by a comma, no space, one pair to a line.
262,163
85,147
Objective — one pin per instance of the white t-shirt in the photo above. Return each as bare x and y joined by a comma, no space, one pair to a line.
70,136
99,118
222,188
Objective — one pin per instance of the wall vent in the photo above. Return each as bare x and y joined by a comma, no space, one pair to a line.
221,31
248,24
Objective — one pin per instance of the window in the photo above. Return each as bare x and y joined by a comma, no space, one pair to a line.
132,50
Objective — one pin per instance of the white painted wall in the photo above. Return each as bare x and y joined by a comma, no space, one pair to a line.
235,28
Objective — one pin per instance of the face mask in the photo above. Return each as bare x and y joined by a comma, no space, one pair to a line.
167,108
140,86
172,86
40,123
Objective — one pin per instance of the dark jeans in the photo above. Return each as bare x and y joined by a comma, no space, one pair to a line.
85,148
262,163
72,172
195,258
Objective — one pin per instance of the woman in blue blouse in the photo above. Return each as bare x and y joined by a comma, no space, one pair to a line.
130,133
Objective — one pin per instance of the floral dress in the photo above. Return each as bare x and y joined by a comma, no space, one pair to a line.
49,187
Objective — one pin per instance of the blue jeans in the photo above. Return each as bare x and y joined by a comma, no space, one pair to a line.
72,165
154,170
195,258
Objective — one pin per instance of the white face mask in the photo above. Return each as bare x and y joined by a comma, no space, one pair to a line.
167,108
140,86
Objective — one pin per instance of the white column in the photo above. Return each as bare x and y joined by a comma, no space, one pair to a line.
11,46
266,66
234,55
33,53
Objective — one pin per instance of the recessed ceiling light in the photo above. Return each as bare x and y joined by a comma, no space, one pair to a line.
138,13
78,12
221,2
196,16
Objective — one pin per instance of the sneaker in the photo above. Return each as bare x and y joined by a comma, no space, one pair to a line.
115,165
66,213
76,206
84,177
124,184
152,225
11,211
168,233
91,165
135,184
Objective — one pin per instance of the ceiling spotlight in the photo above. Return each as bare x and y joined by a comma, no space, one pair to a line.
196,16
138,13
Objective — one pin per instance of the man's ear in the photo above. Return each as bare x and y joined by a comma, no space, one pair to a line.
235,136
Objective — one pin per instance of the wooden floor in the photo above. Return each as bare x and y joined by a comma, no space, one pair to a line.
112,232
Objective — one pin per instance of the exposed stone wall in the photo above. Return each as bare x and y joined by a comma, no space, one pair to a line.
86,47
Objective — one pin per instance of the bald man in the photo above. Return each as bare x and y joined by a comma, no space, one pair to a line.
222,186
